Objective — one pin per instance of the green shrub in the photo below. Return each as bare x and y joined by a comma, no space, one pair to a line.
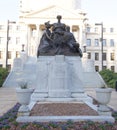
3,74
109,77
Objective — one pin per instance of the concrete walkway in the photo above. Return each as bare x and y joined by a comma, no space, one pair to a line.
8,99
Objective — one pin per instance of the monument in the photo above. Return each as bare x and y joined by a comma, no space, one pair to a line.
58,41
57,49
59,74
60,70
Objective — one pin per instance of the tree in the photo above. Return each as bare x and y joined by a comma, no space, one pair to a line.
109,77
3,74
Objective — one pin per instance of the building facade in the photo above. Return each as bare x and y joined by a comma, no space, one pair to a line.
27,31
31,5
34,19
103,52
11,40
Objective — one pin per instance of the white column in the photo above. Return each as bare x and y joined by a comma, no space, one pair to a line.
38,35
81,36
28,40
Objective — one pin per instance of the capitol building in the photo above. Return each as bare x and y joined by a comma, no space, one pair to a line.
25,33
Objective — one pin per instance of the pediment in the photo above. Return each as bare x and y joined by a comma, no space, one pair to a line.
52,12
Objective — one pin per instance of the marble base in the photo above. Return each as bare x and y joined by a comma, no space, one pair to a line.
65,118
59,77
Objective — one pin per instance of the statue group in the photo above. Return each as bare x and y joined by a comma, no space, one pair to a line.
58,40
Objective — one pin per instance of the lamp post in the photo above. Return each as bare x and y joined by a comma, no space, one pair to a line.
8,22
101,24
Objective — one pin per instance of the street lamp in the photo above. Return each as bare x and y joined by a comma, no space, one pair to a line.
101,24
8,22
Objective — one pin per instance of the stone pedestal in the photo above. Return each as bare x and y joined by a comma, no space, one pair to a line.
42,75
59,78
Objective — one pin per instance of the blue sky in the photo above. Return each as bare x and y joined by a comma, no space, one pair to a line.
98,10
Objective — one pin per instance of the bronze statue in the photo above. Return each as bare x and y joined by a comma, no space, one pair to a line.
58,40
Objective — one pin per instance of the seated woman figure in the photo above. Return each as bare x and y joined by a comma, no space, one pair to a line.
58,41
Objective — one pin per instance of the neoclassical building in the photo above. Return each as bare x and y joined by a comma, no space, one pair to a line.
94,46
30,5
34,18
27,31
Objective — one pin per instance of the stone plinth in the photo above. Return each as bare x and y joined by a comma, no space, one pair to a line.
36,70
59,77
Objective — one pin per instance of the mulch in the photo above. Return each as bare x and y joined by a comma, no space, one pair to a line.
62,109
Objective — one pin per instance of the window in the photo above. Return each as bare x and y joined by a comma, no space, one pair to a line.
96,29
88,42
9,67
74,28
17,40
96,68
96,42
88,29
89,55
1,55
104,56
21,3
10,27
113,68
9,55
112,56
1,40
104,29
104,42
111,42
17,54
1,27
104,67
18,28
96,56
111,30
33,33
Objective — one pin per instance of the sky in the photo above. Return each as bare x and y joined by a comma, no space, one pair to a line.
8,10
97,10
101,10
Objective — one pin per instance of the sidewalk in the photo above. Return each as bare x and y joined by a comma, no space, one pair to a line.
8,99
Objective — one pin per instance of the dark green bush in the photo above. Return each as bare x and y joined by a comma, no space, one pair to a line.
3,74
109,77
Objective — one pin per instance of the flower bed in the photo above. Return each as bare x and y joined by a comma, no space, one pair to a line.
8,122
